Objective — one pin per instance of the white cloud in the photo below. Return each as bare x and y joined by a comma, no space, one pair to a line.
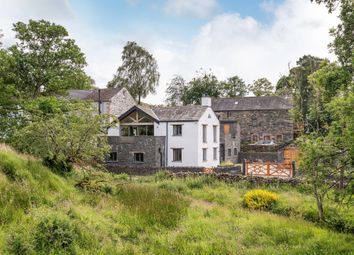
230,44
194,8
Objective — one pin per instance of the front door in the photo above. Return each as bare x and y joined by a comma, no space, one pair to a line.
222,152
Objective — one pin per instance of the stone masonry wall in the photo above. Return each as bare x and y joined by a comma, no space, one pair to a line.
126,146
261,122
230,142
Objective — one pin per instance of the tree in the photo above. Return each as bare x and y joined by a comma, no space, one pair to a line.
302,89
234,87
64,133
176,90
284,87
1,36
138,72
262,87
343,43
204,84
46,62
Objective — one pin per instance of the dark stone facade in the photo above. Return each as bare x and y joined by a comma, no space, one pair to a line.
230,141
261,123
153,148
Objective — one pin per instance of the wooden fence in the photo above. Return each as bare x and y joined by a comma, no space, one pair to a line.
271,169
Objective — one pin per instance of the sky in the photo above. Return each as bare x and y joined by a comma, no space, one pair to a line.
248,38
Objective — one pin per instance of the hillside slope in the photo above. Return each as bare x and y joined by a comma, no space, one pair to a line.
44,213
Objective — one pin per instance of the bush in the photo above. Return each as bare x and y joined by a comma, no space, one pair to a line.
162,175
260,199
55,233
226,163
19,242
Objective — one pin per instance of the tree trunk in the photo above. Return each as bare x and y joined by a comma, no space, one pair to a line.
139,96
319,205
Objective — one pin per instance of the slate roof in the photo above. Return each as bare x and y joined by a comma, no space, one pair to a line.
250,103
106,94
179,113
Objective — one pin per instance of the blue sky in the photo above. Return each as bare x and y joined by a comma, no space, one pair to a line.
249,38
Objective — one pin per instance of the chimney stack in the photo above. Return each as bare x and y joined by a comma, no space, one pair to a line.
206,101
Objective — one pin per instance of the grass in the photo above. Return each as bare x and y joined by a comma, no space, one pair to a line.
99,213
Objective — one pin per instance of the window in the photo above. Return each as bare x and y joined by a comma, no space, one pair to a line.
215,133
215,153
279,138
266,137
205,133
139,157
254,138
205,158
229,152
113,156
177,130
228,114
235,151
226,129
177,155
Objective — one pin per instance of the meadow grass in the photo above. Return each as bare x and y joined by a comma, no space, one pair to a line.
100,213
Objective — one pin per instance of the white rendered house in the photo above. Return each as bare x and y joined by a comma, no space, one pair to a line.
176,136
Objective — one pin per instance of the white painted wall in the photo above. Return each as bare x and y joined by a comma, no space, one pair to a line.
191,140
210,119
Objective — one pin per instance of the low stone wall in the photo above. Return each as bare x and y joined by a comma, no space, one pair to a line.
231,178
146,170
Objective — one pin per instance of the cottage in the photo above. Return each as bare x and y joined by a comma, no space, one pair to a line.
178,136
253,128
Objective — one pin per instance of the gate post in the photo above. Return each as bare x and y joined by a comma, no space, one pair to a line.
244,167
293,168
268,170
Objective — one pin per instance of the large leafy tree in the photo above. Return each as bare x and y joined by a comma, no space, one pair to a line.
234,87
204,84
47,62
302,89
63,133
262,87
138,72
176,90
343,43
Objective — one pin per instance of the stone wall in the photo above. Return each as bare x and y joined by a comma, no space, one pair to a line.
230,141
146,170
261,122
153,148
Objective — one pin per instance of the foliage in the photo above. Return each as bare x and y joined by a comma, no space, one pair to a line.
204,84
226,163
55,233
138,72
262,87
175,91
260,199
46,61
214,222
234,87
64,133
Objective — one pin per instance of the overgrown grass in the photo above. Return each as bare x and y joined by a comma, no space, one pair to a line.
100,213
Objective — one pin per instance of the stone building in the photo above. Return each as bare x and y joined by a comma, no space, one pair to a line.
158,136
263,122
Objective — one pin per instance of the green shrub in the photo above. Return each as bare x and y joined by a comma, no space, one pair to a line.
200,182
260,199
19,242
55,233
121,177
226,163
162,175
